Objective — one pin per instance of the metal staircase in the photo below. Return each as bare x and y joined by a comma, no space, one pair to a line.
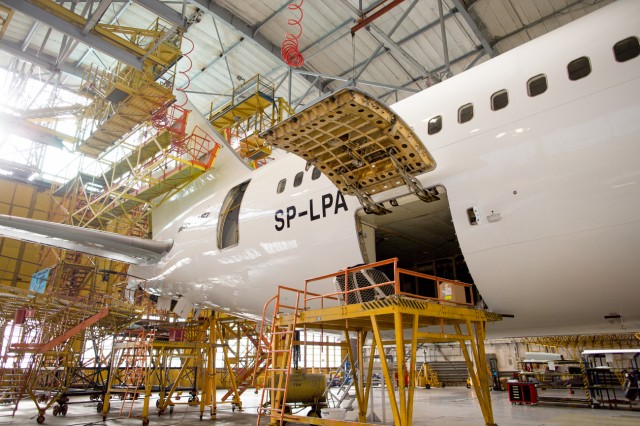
245,376
337,397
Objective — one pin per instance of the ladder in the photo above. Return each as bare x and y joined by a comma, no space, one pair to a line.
342,393
135,372
279,358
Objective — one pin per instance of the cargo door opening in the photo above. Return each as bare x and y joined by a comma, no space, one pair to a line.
421,235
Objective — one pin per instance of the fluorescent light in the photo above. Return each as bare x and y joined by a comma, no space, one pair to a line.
5,172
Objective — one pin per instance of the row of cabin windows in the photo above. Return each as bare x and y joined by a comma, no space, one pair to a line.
577,69
297,180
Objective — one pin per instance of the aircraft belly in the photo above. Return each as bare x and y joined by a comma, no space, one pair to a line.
567,284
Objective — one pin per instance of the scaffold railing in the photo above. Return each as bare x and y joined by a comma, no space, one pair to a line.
46,342
360,302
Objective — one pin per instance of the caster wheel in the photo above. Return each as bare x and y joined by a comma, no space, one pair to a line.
427,386
64,409
200,416
443,385
468,386
99,407
40,419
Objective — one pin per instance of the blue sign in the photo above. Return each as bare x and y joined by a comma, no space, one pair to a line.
39,281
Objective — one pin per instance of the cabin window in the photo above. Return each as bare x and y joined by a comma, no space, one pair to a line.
579,68
465,113
626,49
228,232
537,85
281,185
434,125
499,100
297,181
315,174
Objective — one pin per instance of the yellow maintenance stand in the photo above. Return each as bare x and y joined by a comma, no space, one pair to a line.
394,319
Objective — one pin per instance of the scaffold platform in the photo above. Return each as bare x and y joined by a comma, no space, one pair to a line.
44,340
343,303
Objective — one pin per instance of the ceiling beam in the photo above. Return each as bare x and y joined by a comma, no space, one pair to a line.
244,28
59,24
42,60
486,46
165,12
96,16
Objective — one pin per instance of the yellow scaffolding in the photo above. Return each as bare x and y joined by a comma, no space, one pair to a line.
171,358
125,97
411,319
44,341
5,17
252,109
153,172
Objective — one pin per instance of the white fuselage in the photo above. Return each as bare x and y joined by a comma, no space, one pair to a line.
560,171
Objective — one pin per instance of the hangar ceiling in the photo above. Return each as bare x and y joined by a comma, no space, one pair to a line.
389,48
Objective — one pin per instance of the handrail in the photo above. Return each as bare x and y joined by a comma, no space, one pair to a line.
442,288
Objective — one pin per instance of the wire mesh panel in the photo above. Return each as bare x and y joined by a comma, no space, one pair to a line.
364,286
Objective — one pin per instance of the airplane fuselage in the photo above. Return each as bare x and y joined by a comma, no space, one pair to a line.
552,179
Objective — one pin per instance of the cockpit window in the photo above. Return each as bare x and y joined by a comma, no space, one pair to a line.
228,232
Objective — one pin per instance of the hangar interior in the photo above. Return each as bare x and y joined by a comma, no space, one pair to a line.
113,108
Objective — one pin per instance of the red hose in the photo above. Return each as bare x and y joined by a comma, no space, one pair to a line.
290,53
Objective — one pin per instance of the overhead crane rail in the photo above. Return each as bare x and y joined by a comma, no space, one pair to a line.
440,310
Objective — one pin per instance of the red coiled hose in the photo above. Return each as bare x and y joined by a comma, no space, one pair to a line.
290,53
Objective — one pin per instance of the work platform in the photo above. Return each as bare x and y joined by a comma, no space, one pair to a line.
394,319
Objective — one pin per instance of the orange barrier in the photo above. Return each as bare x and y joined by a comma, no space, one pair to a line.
427,287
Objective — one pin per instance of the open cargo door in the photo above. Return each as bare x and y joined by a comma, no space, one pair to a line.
358,143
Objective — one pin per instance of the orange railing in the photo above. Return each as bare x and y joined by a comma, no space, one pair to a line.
346,291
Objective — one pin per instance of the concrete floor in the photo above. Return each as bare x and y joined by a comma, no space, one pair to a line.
443,407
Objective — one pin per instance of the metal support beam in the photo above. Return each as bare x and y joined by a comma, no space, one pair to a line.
260,25
96,16
99,43
368,19
42,60
411,36
395,47
380,45
241,26
486,46
350,81
164,12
